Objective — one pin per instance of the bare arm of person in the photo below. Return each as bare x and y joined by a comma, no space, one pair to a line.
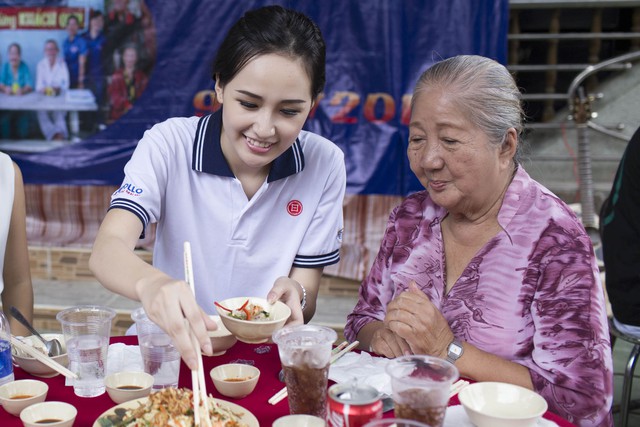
166,300
82,61
482,366
18,289
289,291
414,318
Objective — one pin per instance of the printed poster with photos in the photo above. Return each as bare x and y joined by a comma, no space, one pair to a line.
82,80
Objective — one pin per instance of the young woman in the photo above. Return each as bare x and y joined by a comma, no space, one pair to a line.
259,199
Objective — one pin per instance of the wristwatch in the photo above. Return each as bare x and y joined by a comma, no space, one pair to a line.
454,351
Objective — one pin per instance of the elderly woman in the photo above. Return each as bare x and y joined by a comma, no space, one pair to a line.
487,268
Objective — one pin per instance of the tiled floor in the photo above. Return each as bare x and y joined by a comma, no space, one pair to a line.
336,299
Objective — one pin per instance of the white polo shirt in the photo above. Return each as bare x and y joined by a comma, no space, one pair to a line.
179,178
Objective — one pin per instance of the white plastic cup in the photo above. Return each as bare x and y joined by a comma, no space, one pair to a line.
86,330
159,355
305,353
420,387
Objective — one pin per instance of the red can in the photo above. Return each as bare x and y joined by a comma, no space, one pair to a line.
353,405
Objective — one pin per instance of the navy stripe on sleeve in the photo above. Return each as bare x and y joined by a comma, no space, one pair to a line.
306,261
135,209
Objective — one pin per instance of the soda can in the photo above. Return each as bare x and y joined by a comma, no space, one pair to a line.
353,405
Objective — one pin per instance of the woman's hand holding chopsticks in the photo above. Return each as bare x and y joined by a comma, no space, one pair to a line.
168,302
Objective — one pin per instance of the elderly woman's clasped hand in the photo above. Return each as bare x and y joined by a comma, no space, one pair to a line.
412,325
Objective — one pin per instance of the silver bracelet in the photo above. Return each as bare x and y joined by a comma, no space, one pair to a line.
303,302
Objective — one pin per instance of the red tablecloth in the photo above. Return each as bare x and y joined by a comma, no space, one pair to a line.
264,356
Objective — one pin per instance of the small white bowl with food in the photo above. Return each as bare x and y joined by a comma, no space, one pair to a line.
496,404
33,365
235,380
57,414
251,319
17,395
125,386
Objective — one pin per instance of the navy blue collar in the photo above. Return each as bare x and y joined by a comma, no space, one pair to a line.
208,157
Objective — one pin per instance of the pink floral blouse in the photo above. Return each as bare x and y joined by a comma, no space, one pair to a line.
531,295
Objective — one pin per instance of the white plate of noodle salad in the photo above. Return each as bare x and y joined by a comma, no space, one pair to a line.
173,407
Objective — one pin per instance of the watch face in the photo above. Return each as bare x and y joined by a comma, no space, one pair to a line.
455,350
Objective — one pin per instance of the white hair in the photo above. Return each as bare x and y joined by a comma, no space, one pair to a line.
483,89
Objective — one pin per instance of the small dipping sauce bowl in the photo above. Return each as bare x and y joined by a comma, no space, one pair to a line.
235,380
124,386
54,414
17,395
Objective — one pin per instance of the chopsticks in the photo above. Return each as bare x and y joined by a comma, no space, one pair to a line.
336,354
197,377
339,348
343,351
42,358
456,387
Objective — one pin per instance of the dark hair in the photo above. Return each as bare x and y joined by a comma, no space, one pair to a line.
130,46
52,41
17,47
95,14
272,29
73,17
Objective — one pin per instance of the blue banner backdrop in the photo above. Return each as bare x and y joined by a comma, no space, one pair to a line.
376,49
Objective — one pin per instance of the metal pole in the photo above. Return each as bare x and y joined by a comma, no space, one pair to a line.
579,105
581,117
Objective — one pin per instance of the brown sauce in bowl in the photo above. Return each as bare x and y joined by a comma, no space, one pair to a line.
129,387
236,380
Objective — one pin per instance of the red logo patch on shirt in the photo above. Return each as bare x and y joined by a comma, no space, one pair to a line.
294,208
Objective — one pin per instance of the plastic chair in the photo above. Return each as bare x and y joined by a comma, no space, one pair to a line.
627,384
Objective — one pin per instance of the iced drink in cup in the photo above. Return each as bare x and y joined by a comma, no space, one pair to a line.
420,387
305,353
160,357
86,331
